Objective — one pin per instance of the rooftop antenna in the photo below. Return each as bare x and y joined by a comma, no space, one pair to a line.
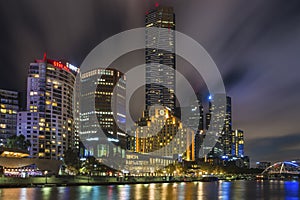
45,56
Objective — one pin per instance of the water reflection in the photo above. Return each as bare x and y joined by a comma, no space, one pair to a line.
151,191
224,190
291,190
165,191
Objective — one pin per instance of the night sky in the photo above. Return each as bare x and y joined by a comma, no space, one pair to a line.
255,44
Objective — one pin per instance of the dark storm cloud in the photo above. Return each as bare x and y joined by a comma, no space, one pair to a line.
255,45
63,29
235,76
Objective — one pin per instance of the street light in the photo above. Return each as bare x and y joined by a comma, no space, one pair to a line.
46,172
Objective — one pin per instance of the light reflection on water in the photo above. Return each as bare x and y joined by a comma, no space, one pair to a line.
166,191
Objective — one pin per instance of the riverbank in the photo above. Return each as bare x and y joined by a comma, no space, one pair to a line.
6,182
240,189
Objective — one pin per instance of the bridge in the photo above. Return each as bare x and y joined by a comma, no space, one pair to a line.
283,169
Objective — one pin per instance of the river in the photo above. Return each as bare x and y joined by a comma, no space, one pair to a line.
165,191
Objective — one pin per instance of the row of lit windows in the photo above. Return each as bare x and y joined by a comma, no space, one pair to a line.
104,93
105,83
8,111
97,72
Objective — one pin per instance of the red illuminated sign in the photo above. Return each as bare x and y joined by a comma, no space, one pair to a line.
60,65
64,66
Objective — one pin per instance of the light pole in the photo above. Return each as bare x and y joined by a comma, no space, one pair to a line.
46,172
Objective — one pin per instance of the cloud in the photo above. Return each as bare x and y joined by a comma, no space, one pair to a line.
280,148
255,44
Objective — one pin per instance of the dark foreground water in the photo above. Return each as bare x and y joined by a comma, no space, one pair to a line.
169,191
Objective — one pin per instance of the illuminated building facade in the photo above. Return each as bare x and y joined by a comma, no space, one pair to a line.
226,138
109,98
162,134
9,103
48,122
230,145
237,143
194,120
217,151
160,64
145,164
224,144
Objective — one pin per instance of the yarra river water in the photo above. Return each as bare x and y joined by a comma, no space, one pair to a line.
189,190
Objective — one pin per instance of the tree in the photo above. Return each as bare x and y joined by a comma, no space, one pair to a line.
18,142
72,161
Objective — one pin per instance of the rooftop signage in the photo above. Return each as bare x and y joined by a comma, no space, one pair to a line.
67,67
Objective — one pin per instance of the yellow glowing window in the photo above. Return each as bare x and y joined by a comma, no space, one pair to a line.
41,154
149,25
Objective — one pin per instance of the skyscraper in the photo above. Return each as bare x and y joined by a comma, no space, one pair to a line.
160,64
223,144
159,132
48,122
8,119
109,98
218,150
237,143
227,129
193,120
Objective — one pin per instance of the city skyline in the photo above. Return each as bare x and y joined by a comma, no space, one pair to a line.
264,98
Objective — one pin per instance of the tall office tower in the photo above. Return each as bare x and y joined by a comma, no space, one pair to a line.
225,141
8,119
227,130
237,143
160,64
197,108
159,132
192,117
48,122
218,150
109,98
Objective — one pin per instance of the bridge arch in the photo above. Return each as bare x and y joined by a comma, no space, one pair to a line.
285,167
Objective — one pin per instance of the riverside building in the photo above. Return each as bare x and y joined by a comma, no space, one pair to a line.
48,122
